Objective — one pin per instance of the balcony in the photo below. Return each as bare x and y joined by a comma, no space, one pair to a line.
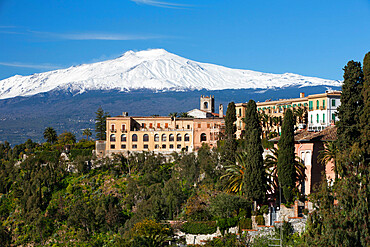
113,131
123,130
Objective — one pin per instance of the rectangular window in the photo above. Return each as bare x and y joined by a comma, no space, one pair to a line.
311,119
240,112
317,118
146,146
323,104
134,146
151,125
123,146
323,117
123,127
310,107
164,146
199,125
112,146
178,146
317,104
333,117
208,126
188,127
177,126
166,125
171,146
143,125
158,125
156,146
333,102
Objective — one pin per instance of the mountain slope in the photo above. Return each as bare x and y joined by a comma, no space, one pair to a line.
154,69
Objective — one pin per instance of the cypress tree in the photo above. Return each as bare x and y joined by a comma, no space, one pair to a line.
365,116
255,176
251,120
286,159
348,131
230,129
100,123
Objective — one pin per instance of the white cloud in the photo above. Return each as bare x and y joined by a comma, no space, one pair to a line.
161,4
32,66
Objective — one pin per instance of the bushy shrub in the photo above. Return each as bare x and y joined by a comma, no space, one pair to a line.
226,223
264,209
79,152
199,227
245,223
260,220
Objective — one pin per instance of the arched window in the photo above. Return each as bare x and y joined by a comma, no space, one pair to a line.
112,137
156,138
123,138
203,137
164,138
187,137
134,138
178,137
171,138
145,137
205,105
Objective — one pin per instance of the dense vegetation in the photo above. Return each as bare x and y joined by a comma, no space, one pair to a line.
59,194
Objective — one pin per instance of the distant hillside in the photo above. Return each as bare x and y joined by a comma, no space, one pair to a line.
27,117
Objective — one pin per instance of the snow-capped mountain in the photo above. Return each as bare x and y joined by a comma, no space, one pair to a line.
154,69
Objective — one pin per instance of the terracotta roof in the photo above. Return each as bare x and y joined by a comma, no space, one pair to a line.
328,134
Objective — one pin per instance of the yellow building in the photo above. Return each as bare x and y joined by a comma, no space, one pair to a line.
321,109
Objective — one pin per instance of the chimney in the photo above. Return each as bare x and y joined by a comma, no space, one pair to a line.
221,111
125,113
301,95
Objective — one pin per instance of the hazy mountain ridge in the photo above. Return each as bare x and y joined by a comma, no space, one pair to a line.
154,69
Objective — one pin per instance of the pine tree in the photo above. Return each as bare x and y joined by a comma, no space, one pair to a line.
230,129
100,123
365,116
286,159
348,131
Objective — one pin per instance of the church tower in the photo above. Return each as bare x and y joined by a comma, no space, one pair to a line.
207,103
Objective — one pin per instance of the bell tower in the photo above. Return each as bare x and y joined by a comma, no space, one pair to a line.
207,103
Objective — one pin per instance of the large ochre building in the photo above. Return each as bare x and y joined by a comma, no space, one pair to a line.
163,134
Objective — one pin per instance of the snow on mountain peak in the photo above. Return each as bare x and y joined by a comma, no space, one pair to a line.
154,69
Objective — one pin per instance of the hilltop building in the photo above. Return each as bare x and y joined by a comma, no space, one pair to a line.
163,134
320,108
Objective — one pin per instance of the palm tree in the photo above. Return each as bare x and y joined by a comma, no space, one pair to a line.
50,135
173,114
87,133
184,114
330,153
270,163
235,174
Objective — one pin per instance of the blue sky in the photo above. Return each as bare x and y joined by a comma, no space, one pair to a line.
314,38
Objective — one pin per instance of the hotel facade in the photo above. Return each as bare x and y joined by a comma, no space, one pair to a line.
163,134
321,110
